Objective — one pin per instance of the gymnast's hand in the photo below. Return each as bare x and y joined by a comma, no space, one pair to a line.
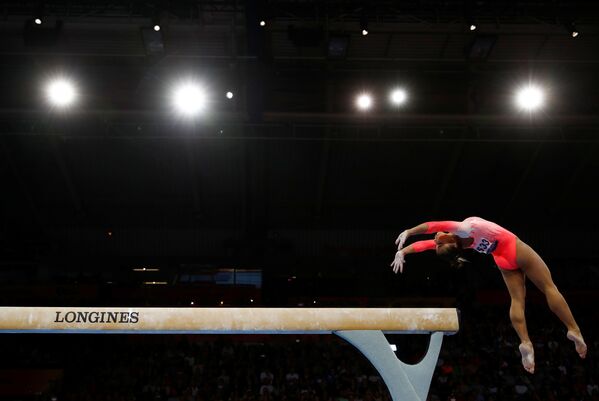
402,239
398,262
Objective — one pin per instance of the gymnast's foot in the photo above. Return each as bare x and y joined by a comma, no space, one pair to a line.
581,347
528,356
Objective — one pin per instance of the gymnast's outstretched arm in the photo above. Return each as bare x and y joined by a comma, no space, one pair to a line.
427,228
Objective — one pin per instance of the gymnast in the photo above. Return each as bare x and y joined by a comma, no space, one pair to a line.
516,261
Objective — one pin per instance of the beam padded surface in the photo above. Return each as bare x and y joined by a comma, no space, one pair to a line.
227,320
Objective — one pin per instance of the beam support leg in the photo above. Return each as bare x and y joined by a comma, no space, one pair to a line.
405,382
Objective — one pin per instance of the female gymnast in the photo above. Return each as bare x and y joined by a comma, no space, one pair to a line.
516,261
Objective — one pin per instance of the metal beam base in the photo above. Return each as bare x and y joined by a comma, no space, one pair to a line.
405,382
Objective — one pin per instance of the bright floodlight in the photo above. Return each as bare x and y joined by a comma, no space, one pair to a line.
229,95
262,23
398,97
157,27
60,92
364,101
473,27
364,32
37,21
189,99
574,34
530,98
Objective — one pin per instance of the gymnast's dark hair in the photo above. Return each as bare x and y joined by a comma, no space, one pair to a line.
453,255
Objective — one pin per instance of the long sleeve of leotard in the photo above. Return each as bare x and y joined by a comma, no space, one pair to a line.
455,227
423,245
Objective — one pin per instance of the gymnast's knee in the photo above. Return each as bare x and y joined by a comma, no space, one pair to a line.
517,309
549,289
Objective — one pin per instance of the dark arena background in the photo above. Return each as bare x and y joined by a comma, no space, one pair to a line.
267,154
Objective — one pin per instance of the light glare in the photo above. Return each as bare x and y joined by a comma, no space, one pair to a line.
189,99
574,34
530,98
37,21
262,23
229,95
398,97
60,92
364,32
157,27
473,27
364,101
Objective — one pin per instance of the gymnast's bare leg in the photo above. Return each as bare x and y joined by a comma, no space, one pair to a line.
537,271
515,282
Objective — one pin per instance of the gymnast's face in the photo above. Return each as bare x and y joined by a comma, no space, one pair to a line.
444,241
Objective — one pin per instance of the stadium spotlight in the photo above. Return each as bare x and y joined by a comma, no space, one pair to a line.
571,28
156,22
470,12
60,92
262,23
530,98
364,101
398,96
39,13
364,24
189,98
471,22
229,95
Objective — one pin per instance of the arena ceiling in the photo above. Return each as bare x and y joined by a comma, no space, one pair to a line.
290,156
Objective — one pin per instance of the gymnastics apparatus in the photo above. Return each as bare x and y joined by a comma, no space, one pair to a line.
361,327
516,261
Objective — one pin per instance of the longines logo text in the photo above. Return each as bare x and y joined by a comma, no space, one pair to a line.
96,317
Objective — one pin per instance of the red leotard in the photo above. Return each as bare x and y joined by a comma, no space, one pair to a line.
488,237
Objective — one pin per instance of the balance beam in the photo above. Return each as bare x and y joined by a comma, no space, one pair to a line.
361,327
225,320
